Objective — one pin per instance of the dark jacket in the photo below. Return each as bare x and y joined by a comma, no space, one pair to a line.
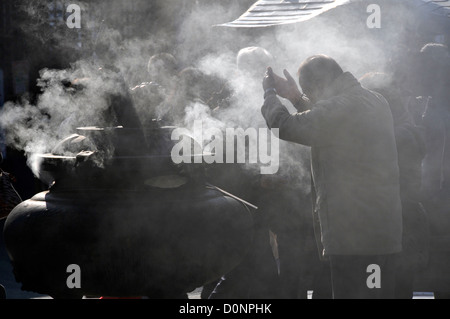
354,166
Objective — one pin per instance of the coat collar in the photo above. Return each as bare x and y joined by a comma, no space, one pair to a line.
341,84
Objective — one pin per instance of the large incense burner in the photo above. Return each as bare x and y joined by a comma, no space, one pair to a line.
133,222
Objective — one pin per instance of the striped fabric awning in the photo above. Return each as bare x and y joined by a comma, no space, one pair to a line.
440,7
264,13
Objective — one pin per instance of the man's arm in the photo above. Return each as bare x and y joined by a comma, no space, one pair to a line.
295,127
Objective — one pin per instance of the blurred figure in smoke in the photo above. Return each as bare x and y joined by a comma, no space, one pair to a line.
119,110
282,198
286,204
257,276
162,67
150,97
104,101
253,61
434,72
355,173
193,86
410,142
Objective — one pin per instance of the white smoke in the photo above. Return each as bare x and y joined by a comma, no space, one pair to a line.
193,40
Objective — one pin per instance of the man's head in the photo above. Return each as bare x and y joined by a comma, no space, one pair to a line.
162,67
316,74
433,67
254,61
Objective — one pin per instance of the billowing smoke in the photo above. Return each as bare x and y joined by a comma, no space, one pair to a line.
343,34
110,63
75,97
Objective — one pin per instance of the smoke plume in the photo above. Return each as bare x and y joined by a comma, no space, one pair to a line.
104,58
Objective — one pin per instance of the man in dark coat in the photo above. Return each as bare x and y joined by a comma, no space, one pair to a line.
354,171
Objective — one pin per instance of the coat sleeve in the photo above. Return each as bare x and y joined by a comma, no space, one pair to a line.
297,127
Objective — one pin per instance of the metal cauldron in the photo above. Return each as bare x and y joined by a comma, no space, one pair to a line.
133,222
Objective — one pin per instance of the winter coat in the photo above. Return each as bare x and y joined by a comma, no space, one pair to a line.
354,166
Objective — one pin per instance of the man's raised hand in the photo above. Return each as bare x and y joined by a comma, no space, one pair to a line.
287,88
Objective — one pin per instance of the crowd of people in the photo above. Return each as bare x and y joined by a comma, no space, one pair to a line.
379,170
379,165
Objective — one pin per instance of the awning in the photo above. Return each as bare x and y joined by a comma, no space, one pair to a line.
264,13
439,7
